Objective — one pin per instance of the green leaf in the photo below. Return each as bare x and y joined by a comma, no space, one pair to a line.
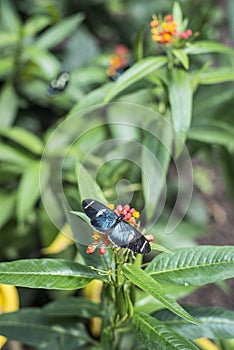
200,47
28,191
160,248
8,106
95,97
24,138
137,72
146,303
32,327
72,307
177,15
214,322
81,215
138,44
10,154
46,62
155,159
182,57
88,187
193,266
155,335
217,75
7,39
180,96
56,34
7,206
9,18
6,65
216,132
152,287
35,24
46,273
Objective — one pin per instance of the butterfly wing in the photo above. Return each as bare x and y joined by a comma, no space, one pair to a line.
126,236
101,217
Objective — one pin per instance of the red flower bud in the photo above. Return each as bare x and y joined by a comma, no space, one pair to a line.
90,249
127,207
102,250
150,238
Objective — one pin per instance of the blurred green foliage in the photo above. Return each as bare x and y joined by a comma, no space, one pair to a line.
192,87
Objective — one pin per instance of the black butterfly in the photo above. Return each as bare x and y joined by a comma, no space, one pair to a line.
120,232
59,84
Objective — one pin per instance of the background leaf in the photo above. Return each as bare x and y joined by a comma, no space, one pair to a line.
214,322
180,97
32,327
28,191
56,34
8,106
155,335
24,138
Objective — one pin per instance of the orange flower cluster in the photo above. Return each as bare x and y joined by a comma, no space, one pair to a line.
119,62
165,31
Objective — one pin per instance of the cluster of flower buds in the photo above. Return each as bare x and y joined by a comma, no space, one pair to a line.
165,31
119,62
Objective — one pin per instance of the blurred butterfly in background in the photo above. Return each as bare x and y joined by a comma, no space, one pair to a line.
120,232
59,84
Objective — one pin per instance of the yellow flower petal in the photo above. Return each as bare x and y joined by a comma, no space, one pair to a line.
206,344
9,298
111,206
61,241
9,301
93,292
136,214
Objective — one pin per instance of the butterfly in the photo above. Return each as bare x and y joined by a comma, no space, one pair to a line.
59,84
120,232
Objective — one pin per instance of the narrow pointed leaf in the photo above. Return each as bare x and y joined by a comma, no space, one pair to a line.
24,138
180,96
28,191
217,75
141,279
8,106
155,335
72,307
213,133
7,206
200,47
138,71
46,273
57,33
88,187
193,266
214,322
182,57
9,17
35,24
32,327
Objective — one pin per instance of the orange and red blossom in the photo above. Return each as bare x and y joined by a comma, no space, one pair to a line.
165,31
118,60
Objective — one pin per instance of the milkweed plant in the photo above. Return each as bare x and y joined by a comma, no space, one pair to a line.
111,293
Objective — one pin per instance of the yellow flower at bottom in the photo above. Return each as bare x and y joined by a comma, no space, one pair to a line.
9,301
136,214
